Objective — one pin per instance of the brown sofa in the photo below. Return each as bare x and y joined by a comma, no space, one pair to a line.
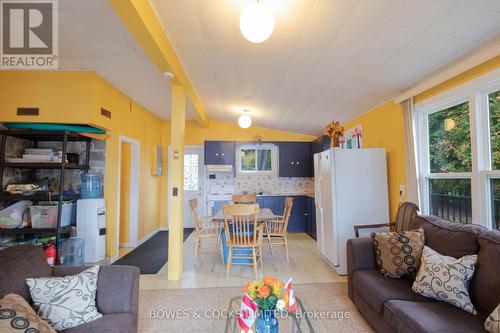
117,287
390,305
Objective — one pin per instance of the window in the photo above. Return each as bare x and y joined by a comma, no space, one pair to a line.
259,159
191,172
458,144
494,129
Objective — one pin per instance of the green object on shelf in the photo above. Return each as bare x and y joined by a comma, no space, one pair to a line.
56,127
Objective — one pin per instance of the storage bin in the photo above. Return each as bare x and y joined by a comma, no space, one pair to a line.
72,252
13,216
91,186
45,215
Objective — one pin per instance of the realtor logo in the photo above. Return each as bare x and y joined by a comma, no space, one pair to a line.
29,34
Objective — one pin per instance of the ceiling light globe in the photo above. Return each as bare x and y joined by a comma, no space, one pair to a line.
245,121
257,22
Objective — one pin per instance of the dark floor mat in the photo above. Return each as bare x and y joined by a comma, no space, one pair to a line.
151,255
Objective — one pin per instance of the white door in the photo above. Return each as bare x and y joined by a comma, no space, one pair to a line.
193,182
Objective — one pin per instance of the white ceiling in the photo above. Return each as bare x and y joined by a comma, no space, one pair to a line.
327,59
92,37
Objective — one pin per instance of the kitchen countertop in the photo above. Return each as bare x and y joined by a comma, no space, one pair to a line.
310,195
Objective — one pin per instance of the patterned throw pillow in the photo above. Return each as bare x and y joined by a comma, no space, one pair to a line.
446,278
492,323
398,253
17,316
66,301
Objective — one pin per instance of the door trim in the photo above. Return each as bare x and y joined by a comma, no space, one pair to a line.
134,192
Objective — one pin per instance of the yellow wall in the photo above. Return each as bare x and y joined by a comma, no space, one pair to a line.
125,192
468,75
77,97
218,130
383,127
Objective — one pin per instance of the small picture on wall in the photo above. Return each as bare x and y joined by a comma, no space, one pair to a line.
353,137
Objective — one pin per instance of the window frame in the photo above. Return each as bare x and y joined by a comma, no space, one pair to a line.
256,147
475,92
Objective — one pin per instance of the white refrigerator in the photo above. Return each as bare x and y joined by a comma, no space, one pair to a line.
350,189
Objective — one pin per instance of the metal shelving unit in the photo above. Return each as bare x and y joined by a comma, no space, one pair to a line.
36,136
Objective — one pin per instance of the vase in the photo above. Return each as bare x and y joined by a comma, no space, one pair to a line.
334,141
266,322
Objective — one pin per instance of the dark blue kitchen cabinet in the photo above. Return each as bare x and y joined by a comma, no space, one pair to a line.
276,204
220,152
297,221
310,217
286,159
298,217
295,159
303,167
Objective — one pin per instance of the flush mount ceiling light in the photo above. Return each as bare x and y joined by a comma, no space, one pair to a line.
257,22
245,121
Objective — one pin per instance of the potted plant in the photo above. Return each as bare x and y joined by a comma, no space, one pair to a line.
335,131
269,295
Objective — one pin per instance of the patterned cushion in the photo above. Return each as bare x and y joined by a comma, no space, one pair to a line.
492,323
398,253
446,278
66,301
17,316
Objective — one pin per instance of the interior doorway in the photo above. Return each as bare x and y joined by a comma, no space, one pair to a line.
127,195
193,182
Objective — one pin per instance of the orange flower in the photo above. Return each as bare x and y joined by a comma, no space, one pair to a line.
264,292
268,280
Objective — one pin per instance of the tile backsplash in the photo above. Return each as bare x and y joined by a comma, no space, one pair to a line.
260,183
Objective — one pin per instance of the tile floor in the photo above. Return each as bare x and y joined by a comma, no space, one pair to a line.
305,267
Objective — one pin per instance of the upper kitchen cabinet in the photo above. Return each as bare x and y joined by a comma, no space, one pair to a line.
321,144
219,152
295,159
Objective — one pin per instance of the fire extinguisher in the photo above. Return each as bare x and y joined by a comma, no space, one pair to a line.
50,253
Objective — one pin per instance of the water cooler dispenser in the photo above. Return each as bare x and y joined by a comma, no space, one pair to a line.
91,226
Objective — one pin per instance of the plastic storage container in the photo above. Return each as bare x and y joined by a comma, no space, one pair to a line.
45,215
14,215
72,252
91,186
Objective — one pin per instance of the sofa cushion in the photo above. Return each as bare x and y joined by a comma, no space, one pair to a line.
66,301
398,253
18,263
485,286
492,323
446,278
17,316
425,317
377,289
449,238
111,323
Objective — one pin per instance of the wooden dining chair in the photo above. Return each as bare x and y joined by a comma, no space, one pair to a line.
244,199
277,228
407,211
205,228
243,233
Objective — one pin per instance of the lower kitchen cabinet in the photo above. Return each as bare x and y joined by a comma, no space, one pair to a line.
301,218
310,227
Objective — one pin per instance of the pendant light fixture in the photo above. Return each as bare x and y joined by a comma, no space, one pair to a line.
257,22
245,121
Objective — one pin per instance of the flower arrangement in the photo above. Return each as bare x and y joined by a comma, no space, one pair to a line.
335,131
268,293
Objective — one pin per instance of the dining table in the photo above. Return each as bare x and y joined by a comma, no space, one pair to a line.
265,215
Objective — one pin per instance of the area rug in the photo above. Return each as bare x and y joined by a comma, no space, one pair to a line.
151,255
203,310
